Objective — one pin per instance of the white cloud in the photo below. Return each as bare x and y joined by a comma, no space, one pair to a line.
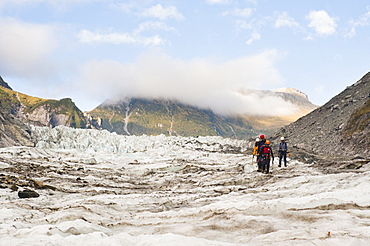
284,20
362,21
125,7
244,13
321,22
86,36
309,37
254,37
154,25
54,3
25,49
217,1
45,1
199,82
162,13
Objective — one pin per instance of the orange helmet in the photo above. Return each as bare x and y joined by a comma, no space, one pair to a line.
267,142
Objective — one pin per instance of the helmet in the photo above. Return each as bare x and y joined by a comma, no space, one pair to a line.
267,142
282,138
262,136
257,139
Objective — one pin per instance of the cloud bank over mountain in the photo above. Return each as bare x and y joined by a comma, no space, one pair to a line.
206,83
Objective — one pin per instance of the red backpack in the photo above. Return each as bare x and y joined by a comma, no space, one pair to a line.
266,150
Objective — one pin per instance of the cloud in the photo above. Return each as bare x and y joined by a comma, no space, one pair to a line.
200,82
86,36
55,3
26,49
217,1
254,37
45,1
284,20
162,13
362,21
244,13
125,7
321,22
154,25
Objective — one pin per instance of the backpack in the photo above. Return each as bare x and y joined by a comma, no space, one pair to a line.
266,150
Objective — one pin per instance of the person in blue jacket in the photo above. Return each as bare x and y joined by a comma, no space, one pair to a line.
283,150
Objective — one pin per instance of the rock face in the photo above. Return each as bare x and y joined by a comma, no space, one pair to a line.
53,113
13,131
340,128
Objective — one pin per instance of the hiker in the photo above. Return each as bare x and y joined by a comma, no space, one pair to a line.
255,148
265,154
283,150
260,144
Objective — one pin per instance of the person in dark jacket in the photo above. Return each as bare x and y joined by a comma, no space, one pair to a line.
260,144
283,150
266,154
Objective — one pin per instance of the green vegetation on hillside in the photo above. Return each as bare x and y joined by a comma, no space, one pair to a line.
8,101
359,120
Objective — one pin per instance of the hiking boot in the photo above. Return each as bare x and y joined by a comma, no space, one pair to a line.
279,165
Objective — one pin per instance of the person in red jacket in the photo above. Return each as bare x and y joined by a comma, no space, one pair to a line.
265,154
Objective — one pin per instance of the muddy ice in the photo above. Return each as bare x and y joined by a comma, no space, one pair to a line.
98,188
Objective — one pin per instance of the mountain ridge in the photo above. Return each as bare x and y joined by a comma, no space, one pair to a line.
132,116
137,116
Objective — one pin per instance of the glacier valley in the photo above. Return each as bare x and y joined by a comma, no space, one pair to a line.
100,188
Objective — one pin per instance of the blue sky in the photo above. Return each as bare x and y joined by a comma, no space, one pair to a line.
201,52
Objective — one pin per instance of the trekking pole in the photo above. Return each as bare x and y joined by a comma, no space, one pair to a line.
272,164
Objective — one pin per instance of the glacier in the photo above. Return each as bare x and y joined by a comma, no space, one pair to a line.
101,188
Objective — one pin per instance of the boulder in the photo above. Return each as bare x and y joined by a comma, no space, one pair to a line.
28,194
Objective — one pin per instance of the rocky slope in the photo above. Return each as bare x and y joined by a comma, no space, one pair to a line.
41,112
136,116
13,132
338,129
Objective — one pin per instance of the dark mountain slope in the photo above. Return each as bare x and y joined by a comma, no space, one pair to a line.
338,129
4,84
